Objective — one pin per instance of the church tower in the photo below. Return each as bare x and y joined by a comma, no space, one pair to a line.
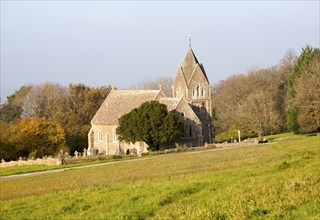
193,85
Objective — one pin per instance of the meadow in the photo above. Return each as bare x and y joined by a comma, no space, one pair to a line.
278,180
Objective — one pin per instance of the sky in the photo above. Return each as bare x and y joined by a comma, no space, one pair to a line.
119,43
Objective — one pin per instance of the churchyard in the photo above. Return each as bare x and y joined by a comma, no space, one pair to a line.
278,180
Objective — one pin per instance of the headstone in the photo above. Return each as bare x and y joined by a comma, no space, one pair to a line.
2,161
84,152
20,158
66,155
76,154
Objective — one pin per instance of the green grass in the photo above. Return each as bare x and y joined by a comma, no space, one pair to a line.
270,181
6,171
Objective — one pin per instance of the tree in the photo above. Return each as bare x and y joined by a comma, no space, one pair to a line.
13,108
301,64
307,97
165,83
150,123
71,107
82,103
29,134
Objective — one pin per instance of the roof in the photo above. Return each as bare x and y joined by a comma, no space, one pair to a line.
120,102
171,103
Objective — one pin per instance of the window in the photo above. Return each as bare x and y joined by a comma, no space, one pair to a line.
115,137
190,131
202,91
198,90
100,135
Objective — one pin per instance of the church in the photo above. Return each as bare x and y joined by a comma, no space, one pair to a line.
191,101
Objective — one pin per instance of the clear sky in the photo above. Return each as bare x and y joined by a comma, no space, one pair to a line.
120,43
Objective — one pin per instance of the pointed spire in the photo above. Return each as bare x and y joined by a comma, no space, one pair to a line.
189,63
189,35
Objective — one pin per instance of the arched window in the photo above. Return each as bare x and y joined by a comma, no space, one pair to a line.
198,90
100,134
202,91
115,137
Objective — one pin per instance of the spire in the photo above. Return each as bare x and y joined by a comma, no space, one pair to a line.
189,63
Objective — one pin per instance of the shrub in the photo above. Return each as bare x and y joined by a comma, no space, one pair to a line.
116,156
34,154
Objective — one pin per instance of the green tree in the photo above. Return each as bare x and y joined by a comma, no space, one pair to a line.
150,123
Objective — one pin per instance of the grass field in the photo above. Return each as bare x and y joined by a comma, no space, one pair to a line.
280,180
6,171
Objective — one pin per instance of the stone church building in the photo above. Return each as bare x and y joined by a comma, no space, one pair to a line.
191,101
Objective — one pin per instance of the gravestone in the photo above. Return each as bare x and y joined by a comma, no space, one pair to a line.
84,152
76,154
66,155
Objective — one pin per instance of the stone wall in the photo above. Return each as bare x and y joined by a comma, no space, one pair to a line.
48,161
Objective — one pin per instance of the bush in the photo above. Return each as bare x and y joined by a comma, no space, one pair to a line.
117,157
34,154
226,136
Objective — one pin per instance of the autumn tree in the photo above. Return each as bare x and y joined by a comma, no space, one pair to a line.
150,123
29,134
301,66
255,102
45,101
13,108
82,104
307,96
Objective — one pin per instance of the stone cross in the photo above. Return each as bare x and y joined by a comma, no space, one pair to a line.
84,152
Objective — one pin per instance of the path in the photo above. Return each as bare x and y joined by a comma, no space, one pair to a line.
18,176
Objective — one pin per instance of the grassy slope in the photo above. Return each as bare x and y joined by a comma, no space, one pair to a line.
279,180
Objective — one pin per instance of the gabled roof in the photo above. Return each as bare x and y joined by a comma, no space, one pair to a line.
198,70
120,102
180,78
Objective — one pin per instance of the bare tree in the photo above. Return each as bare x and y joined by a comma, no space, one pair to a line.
165,83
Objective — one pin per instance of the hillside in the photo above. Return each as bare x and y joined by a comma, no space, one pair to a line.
275,180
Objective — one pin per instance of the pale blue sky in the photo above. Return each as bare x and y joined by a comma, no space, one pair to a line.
104,42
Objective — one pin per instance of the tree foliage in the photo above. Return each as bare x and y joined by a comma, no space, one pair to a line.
150,123
307,96
255,102
70,107
29,134
13,108
301,74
